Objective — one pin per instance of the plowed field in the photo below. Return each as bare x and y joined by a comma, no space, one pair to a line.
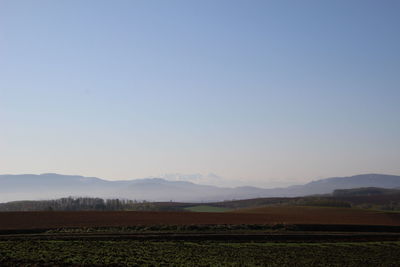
267,215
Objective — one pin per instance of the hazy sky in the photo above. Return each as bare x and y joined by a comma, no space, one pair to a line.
257,92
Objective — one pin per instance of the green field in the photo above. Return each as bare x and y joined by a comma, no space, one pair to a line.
134,253
206,208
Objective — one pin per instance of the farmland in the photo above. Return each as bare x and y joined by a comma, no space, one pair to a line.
263,215
206,208
259,236
135,253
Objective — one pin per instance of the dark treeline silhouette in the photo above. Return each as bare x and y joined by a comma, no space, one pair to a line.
73,204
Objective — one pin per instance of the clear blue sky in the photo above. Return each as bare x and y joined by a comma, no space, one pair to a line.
258,92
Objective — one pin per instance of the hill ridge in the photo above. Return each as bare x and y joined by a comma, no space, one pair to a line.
50,186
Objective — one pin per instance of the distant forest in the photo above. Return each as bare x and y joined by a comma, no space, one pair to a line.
74,204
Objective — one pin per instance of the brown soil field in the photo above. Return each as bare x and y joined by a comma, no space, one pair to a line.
265,215
325,215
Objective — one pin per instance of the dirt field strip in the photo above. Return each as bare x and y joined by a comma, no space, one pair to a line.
269,215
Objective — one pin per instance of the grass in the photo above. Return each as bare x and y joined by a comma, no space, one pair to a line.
135,253
206,208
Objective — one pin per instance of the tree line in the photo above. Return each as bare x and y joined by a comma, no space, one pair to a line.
75,204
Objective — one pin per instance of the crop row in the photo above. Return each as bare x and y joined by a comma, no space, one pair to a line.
133,253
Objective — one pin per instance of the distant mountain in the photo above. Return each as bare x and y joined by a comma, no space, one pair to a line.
51,186
327,186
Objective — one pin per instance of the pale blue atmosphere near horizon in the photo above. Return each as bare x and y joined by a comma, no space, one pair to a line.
266,93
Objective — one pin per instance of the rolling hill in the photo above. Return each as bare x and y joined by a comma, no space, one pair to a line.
50,186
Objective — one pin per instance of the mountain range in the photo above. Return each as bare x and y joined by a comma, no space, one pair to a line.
50,186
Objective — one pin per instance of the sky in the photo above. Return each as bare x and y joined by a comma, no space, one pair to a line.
226,92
